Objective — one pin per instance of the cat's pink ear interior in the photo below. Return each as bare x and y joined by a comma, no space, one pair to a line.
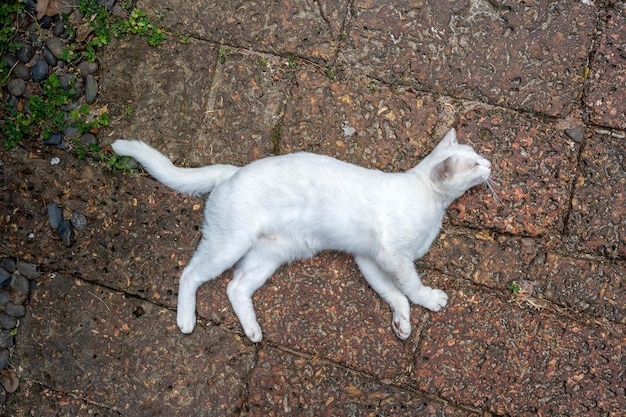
444,169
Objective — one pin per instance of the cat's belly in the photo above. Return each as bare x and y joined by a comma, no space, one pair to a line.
288,247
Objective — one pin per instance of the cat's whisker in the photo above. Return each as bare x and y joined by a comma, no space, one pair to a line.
490,183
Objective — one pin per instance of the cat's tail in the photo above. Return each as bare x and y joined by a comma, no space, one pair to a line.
192,181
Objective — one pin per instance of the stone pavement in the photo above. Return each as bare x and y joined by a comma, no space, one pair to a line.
536,87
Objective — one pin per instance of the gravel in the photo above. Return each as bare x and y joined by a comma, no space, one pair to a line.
14,294
43,46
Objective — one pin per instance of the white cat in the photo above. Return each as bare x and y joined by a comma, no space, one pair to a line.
283,208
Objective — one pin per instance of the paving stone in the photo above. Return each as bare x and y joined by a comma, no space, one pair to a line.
392,127
606,96
598,219
401,74
232,107
286,384
285,27
507,359
524,55
483,257
534,164
244,107
135,365
37,400
323,307
589,286
150,230
166,96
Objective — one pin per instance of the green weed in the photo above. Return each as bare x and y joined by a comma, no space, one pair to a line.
222,55
10,14
43,113
514,287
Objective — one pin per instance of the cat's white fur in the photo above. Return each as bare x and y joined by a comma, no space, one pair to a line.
283,208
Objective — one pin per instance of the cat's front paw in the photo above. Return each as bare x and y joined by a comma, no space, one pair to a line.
186,322
432,298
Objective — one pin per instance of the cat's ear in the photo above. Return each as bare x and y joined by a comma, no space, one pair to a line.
444,169
449,139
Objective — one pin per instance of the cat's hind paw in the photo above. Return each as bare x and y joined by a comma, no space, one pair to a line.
433,299
254,333
186,322
401,327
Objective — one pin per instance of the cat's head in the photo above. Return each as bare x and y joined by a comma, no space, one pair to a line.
455,168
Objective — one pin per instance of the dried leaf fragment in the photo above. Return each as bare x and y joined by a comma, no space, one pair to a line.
9,380
47,8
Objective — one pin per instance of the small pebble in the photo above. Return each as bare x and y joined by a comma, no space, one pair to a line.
577,134
4,358
28,270
79,87
5,278
88,139
56,46
73,104
55,139
55,161
21,283
7,322
21,71
13,103
55,215
348,131
107,4
66,81
91,89
49,57
10,60
58,28
16,87
66,231
16,296
79,221
15,310
6,339
46,22
25,53
39,71
4,299
70,132
88,68
9,263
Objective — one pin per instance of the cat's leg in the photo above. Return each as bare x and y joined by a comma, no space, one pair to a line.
406,278
252,271
381,283
213,256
